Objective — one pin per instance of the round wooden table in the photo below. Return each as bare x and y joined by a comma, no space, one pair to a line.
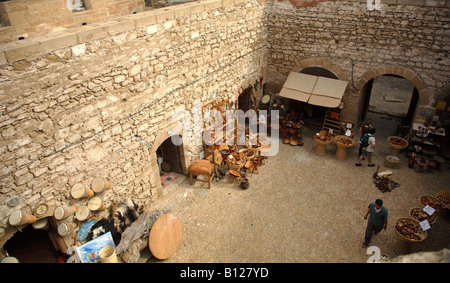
165,236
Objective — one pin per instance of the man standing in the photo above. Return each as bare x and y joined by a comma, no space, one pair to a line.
368,144
377,220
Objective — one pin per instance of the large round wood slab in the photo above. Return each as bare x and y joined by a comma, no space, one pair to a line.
165,236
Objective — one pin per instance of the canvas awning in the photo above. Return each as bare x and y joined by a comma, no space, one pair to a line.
314,90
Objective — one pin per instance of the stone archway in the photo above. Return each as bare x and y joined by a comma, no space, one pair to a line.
424,95
161,136
323,63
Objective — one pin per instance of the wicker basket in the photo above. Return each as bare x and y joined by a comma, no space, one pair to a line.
235,166
322,142
422,234
244,152
435,204
395,146
431,219
444,196
343,145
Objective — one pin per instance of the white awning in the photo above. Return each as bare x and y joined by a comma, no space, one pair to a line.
314,90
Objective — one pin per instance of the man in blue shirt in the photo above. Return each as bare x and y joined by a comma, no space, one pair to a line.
377,220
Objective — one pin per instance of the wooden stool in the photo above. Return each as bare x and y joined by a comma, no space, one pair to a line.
431,166
235,176
422,163
202,167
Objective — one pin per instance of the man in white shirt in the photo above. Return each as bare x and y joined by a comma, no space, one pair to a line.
368,149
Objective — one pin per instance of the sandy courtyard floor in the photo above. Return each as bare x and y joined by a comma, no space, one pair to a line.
299,208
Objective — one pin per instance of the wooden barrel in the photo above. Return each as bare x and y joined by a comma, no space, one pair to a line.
65,228
62,212
80,191
83,213
96,204
107,255
19,217
98,185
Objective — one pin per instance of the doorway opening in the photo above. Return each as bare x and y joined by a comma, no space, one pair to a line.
31,245
246,99
390,101
169,161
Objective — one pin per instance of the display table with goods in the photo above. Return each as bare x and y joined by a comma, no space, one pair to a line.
343,143
322,138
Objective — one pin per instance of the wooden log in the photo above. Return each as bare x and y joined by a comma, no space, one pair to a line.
138,229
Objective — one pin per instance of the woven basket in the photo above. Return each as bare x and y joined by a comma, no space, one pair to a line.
423,201
444,196
431,219
244,152
234,166
397,146
322,142
343,145
422,234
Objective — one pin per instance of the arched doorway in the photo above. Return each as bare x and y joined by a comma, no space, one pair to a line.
169,161
32,245
182,152
390,97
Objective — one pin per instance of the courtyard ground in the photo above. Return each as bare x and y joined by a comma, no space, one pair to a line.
300,208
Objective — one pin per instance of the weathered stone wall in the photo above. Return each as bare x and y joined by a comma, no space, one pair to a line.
407,38
72,114
29,18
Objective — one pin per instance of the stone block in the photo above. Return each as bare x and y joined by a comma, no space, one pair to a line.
91,32
22,49
59,40
211,4
144,19
120,26
164,14
3,60
411,2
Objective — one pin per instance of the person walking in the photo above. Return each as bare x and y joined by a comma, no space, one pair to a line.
377,220
364,129
368,144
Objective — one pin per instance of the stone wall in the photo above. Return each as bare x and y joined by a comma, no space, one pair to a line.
406,38
71,113
29,18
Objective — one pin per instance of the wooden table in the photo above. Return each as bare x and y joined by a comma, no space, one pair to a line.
165,236
202,167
